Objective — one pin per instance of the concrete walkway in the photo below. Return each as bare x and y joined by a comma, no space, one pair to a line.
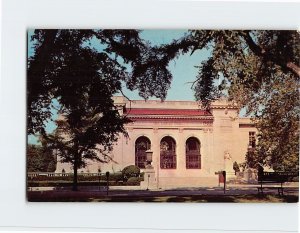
231,189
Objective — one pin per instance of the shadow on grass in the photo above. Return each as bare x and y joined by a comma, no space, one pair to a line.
71,196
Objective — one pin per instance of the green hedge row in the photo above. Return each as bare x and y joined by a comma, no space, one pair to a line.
70,178
133,181
112,177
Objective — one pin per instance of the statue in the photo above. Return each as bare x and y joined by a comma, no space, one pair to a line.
228,162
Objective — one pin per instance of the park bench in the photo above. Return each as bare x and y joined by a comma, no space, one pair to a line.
275,178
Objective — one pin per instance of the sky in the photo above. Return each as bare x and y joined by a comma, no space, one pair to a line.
183,69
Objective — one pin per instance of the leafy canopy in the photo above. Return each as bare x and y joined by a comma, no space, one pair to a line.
83,79
66,66
258,70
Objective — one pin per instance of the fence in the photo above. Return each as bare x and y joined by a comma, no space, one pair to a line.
52,174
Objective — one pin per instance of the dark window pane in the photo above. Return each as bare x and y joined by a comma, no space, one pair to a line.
142,144
168,153
193,157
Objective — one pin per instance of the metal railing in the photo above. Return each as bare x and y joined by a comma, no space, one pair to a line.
53,174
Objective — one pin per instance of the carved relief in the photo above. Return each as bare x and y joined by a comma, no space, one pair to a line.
227,155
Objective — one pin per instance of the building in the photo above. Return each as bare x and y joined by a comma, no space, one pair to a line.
188,144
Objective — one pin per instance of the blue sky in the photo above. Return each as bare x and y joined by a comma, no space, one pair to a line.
183,69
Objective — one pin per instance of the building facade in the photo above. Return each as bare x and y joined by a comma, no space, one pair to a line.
188,144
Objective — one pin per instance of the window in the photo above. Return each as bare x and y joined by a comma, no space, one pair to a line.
193,156
252,140
142,144
167,153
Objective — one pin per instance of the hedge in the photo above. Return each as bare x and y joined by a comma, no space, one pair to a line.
118,178
113,177
84,183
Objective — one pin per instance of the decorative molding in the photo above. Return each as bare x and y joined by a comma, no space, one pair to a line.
246,125
203,121
193,129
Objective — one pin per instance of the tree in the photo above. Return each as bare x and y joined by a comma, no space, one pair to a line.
278,125
90,138
65,62
242,65
257,70
40,159
83,79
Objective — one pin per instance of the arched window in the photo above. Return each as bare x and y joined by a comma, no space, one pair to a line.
142,144
193,156
167,153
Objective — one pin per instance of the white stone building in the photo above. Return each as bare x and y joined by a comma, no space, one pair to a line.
189,144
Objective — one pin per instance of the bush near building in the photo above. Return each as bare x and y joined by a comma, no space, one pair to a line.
129,176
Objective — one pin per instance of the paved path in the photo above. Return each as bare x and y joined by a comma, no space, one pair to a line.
230,190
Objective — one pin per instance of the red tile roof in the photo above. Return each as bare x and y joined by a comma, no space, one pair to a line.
174,112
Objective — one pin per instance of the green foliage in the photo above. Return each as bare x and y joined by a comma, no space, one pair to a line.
278,125
242,166
131,171
39,159
67,68
133,181
253,160
84,180
256,70
118,176
236,167
112,177
61,184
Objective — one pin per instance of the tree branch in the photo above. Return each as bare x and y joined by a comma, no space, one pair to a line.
294,68
260,52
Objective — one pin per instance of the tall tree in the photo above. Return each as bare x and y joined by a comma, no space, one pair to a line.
278,125
244,63
90,137
64,61
258,70
83,78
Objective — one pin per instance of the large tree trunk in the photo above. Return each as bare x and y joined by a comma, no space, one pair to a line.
75,188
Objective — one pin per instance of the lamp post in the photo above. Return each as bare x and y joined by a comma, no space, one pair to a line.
148,165
148,182
149,154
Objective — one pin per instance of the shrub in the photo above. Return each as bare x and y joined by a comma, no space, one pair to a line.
142,175
116,177
130,171
133,181
236,167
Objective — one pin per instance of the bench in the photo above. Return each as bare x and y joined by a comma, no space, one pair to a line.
276,178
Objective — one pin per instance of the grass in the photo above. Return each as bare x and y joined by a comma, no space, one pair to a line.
100,196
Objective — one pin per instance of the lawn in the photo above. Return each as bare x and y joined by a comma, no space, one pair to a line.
136,196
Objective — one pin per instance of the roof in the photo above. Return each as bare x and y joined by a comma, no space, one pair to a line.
167,112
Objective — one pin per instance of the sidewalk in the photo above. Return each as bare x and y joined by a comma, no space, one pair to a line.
231,189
